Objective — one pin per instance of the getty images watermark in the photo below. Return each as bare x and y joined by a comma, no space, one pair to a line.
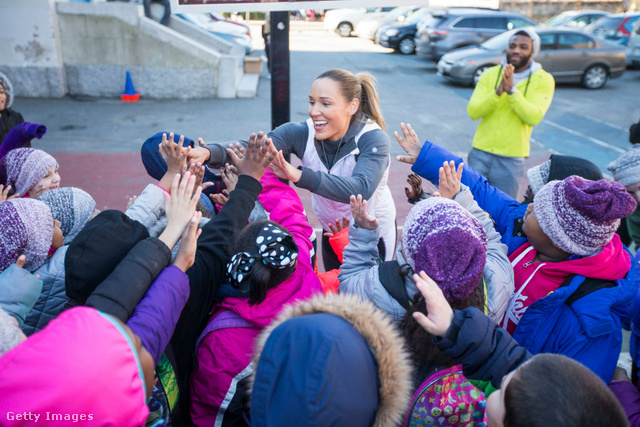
47,416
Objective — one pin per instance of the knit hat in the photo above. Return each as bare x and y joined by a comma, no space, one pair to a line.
97,250
8,90
581,216
20,136
27,229
626,167
10,333
19,291
445,241
535,38
23,168
559,167
72,207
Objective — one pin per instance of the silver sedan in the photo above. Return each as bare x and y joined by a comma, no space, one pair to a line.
570,56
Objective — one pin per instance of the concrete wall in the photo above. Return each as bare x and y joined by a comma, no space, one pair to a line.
102,41
29,48
50,49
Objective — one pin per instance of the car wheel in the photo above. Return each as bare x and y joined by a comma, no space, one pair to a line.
595,77
407,46
344,29
478,73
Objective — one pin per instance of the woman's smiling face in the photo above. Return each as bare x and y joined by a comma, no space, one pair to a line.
330,111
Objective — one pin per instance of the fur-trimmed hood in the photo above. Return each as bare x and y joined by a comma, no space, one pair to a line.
385,348
8,90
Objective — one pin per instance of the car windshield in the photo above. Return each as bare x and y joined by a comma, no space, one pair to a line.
558,20
607,23
499,42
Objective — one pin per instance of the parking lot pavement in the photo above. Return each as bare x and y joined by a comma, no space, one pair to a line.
97,141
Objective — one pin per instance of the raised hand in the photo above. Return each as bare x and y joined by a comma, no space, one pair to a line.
180,207
409,142
360,214
415,189
283,169
4,193
450,179
187,251
197,170
439,312
256,158
337,226
229,175
219,199
173,153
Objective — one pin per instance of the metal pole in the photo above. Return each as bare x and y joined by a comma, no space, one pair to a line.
280,71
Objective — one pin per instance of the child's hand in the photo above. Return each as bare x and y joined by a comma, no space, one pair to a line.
21,260
199,154
256,158
229,175
415,189
338,226
219,199
360,214
4,193
180,207
450,179
187,251
440,315
197,170
410,142
173,154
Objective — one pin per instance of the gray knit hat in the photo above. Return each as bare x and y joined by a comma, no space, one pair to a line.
626,167
72,207
8,90
535,38
581,216
10,334
538,176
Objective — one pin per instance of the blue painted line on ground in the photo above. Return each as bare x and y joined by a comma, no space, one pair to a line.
573,145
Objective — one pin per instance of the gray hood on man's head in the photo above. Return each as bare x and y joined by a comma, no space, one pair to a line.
8,90
532,35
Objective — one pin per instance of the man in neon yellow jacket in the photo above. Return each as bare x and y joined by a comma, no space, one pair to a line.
510,98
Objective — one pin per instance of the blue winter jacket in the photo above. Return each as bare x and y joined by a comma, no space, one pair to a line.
581,322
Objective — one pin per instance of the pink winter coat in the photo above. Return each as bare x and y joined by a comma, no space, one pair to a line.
224,355
82,369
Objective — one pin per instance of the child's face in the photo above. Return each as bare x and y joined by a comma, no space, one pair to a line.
540,241
3,98
51,181
495,403
58,237
634,190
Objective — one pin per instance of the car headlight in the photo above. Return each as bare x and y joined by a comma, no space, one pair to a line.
391,32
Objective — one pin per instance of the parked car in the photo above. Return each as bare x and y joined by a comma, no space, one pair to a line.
616,28
220,18
459,27
569,55
576,18
344,21
400,36
227,31
633,47
367,27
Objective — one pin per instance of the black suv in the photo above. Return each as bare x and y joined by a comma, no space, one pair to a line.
459,27
399,36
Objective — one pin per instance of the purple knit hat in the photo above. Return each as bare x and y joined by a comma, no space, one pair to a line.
581,216
22,168
445,241
27,229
